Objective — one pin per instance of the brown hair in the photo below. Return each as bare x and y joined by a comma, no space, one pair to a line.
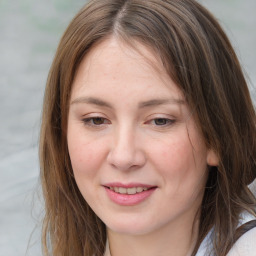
200,59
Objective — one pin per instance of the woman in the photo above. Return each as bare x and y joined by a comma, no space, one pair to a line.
148,135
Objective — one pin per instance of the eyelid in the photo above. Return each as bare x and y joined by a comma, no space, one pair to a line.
88,119
94,115
170,120
161,116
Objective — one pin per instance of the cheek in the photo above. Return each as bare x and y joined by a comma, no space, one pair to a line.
86,155
181,165
183,176
171,157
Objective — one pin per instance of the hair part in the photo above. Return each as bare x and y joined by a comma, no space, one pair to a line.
198,56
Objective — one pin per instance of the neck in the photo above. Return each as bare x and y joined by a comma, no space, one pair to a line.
177,239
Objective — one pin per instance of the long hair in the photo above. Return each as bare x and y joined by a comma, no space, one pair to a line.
200,59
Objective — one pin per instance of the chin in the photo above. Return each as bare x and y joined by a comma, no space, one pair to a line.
132,231
130,227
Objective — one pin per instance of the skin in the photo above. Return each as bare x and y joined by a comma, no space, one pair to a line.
124,135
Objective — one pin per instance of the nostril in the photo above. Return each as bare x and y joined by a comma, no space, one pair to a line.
126,158
122,160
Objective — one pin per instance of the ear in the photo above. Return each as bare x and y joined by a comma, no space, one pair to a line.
212,159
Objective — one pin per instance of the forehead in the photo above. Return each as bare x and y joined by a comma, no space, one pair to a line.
113,62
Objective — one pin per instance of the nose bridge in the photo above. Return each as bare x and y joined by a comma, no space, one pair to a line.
125,152
125,138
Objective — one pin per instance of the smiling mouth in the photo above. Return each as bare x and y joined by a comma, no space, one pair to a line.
129,194
129,191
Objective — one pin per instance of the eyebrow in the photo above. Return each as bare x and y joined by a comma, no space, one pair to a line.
144,104
157,102
93,101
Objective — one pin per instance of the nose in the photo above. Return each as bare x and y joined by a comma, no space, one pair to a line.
125,153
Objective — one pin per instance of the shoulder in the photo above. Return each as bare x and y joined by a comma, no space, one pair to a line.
107,251
245,245
206,246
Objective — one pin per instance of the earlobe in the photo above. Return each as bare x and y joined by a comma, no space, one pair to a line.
212,158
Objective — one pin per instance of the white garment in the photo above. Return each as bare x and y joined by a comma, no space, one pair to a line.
245,245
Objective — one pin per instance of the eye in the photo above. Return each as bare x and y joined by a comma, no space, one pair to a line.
161,121
95,121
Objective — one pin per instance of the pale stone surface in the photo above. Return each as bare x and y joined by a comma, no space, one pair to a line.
30,31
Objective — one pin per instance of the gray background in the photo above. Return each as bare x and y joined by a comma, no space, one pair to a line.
29,35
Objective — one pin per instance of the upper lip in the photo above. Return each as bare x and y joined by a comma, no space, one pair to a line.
128,185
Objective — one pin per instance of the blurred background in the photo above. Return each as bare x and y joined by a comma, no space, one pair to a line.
29,34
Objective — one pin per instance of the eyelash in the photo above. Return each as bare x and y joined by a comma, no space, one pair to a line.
167,121
92,121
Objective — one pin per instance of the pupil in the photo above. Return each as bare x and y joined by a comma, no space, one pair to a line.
160,121
98,120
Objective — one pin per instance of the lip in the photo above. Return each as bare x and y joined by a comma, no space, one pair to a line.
125,199
128,185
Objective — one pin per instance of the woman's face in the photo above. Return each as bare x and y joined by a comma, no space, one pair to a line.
138,157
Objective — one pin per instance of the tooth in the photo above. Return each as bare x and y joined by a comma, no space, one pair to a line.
139,189
122,190
131,191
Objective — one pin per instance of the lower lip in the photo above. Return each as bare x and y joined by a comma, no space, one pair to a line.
129,200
